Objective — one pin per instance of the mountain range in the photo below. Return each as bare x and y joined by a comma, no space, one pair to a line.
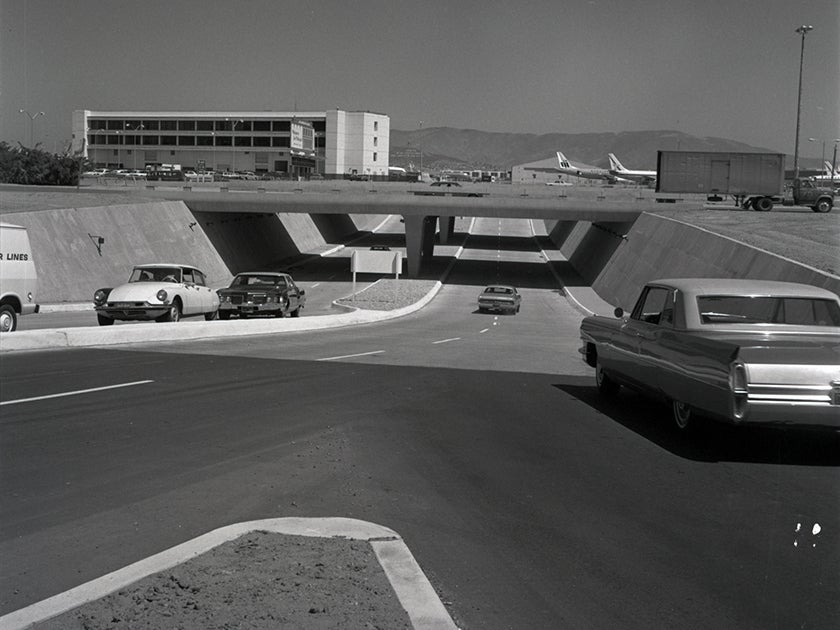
447,147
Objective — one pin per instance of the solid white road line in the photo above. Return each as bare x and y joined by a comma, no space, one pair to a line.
350,356
75,393
447,340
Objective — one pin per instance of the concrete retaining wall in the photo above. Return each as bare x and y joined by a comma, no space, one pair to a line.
658,247
70,267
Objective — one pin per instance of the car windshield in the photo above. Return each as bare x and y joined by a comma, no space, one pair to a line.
736,309
155,274
258,280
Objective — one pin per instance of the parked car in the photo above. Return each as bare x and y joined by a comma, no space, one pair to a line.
446,184
359,177
499,298
261,293
744,351
157,292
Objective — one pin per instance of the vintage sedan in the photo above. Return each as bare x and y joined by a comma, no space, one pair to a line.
499,298
261,293
744,351
157,292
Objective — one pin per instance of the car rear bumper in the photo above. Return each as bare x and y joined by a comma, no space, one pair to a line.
796,414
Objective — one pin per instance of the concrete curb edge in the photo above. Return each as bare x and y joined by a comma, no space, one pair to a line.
412,588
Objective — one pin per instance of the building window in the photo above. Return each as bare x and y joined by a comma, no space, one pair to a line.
168,140
374,156
282,141
150,140
376,125
186,125
204,125
223,141
319,125
262,141
224,125
262,125
375,141
113,139
151,125
243,141
96,124
204,141
168,125
281,125
186,141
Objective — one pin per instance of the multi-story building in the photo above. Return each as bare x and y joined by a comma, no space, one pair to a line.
334,143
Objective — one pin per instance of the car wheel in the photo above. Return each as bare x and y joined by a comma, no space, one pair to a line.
8,318
296,312
224,315
605,384
823,205
211,316
174,314
683,415
763,204
103,320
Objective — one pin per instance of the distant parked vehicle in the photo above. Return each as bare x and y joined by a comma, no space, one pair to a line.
18,277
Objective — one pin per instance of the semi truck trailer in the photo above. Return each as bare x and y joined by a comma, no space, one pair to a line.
756,181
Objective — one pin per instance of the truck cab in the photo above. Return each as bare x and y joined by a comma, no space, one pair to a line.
805,192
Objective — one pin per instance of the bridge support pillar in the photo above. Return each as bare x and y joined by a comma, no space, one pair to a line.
419,241
447,227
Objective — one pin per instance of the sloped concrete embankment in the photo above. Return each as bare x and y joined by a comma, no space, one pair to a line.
618,259
72,264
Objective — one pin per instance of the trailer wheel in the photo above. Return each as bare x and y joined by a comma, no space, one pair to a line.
763,204
823,205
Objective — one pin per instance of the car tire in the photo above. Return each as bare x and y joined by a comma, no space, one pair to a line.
224,315
8,318
763,204
104,321
606,385
296,312
211,316
822,206
684,416
174,313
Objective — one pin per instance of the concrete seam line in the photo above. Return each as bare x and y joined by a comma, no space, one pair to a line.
569,296
413,589
335,527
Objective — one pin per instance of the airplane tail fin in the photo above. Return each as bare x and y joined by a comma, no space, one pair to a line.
615,164
564,163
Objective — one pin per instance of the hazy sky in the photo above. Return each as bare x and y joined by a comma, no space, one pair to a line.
726,68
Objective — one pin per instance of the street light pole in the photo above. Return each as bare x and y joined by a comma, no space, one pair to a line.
32,118
834,162
803,30
134,150
233,144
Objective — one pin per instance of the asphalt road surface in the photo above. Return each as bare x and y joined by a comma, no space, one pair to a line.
529,501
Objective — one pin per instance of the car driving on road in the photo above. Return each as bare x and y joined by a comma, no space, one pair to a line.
261,293
157,292
499,298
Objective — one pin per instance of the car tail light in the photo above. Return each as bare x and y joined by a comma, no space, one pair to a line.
162,295
738,385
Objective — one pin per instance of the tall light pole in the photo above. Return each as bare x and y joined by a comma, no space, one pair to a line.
213,137
233,144
802,30
32,118
134,150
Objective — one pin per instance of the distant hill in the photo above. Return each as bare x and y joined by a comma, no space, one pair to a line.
446,147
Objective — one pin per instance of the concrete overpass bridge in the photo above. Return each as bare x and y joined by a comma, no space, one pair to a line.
426,213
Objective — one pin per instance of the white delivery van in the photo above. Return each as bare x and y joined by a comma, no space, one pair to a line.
18,278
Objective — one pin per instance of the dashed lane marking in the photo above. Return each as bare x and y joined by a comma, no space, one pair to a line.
350,356
447,340
73,393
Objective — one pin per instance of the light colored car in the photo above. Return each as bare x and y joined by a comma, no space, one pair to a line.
499,298
158,292
97,172
744,351
261,293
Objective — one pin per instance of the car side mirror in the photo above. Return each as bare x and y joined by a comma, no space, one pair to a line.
619,312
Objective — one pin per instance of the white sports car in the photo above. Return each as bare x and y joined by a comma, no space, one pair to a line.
158,292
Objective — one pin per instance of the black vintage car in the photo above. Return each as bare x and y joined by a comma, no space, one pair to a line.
261,293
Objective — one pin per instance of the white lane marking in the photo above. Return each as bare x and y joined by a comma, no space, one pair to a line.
483,331
350,356
447,340
74,393
315,285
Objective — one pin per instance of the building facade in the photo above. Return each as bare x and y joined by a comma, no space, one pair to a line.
335,143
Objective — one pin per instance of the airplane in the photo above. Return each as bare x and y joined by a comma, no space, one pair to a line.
826,175
566,168
640,177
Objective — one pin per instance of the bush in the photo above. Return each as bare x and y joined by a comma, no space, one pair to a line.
21,165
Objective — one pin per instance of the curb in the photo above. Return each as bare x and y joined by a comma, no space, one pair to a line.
413,590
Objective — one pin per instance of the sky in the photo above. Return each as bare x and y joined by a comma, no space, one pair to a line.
721,68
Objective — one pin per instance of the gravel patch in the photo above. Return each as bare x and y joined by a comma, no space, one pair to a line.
389,294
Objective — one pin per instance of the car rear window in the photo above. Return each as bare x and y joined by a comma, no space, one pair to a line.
737,309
